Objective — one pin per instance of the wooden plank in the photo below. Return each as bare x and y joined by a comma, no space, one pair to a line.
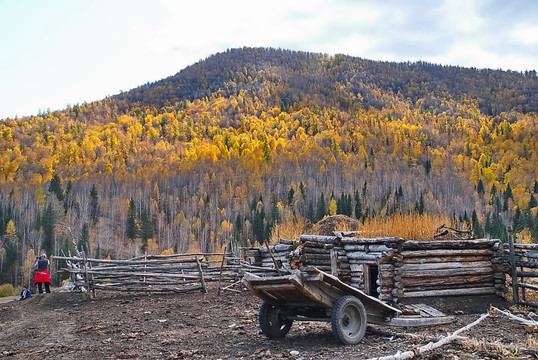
313,293
354,247
427,310
450,244
448,280
526,246
378,240
527,254
368,301
319,238
129,262
446,252
442,273
527,264
447,265
445,259
419,321
272,287
334,262
526,274
363,256
528,286
450,292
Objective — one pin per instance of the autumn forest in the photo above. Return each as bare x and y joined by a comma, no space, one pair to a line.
246,142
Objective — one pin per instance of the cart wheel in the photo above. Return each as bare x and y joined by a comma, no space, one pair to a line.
272,322
348,320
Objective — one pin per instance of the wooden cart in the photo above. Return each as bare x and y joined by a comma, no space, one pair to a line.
313,295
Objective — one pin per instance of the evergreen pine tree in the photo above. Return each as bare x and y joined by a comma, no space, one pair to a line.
275,214
480,188
94,204
321,209
477,228
55,187
238,230
258,225
488,225
48,222
310,213
349,206
291,195
508,193
146,228
519,221
302,188
84,240
131,228
67,196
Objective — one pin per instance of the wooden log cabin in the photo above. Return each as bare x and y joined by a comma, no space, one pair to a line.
391,268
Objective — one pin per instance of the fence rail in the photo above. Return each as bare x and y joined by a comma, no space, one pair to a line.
523,261
176,273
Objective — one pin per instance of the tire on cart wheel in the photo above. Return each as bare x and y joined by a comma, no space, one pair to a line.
272,321
348,320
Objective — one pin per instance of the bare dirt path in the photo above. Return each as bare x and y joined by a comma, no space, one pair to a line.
64,325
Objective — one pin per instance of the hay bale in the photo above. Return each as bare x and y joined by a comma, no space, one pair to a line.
329,224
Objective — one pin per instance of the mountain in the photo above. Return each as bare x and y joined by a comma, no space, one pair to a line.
336,81
250,142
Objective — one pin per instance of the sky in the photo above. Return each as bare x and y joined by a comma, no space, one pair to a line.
58,53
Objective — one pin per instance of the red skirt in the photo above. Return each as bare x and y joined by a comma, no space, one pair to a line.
42,276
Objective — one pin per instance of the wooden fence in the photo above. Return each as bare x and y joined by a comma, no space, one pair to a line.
158,273
523,262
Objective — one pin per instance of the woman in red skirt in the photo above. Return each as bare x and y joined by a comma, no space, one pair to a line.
42,274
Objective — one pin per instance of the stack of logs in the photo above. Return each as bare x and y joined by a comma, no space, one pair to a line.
440,268
364,254
349,258
391,268
271,256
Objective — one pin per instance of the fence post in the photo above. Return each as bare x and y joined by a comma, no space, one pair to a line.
202,281
86,276
515,289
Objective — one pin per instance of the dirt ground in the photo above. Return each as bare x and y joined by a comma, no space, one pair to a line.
65,325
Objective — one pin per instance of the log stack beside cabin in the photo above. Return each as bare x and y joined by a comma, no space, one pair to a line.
392,269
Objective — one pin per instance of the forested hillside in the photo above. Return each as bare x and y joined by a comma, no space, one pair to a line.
233,147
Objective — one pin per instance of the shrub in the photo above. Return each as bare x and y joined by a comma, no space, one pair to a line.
7,290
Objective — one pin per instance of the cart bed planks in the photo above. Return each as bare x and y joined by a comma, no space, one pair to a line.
314,288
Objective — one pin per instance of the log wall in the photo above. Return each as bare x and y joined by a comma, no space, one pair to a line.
392,269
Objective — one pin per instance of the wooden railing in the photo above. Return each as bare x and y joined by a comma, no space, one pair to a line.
523,262
157,273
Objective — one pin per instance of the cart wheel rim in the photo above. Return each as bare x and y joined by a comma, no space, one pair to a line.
350,321
273,322
274,319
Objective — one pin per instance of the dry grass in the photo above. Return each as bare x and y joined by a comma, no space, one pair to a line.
532,342
493,348
289,230
530,295
409,227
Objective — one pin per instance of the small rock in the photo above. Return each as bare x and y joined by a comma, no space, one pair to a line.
294,353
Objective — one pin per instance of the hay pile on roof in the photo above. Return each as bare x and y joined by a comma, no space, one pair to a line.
329,224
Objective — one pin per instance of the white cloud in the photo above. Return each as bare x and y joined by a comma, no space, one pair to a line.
69,51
